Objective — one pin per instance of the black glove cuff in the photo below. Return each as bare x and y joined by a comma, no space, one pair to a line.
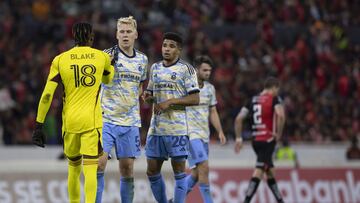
38,126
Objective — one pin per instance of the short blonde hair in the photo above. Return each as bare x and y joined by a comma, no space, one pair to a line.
127,20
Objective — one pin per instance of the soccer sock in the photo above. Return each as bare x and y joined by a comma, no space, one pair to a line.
205,192
158,188
74,170
100,186
191,182
90,180
253,185
127,189
274,188
180,187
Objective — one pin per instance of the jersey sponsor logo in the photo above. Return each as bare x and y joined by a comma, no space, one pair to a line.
130,77
82,56
165,86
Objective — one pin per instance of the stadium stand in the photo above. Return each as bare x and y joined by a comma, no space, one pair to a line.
312,46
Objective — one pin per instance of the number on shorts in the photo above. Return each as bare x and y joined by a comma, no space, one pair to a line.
179,141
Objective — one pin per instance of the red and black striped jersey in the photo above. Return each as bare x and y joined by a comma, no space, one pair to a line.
261,110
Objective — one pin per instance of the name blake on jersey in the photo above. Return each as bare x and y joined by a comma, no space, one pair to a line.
82,56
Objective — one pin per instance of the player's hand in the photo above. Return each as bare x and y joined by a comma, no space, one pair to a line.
238,145
147,97
38,136
161,107
222,138
276,136
143,140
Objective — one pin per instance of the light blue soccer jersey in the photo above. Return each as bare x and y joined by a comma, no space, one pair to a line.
198,116
166,82
120,99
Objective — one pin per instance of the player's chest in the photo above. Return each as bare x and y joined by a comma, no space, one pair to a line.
168,75
129,66
128,70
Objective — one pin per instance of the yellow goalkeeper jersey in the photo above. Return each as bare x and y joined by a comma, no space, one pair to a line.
81,70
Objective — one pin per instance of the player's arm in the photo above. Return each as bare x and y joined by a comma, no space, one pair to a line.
280,120
192,88
215,121
239,127
144,75
52,82
147,95
109,71
191,99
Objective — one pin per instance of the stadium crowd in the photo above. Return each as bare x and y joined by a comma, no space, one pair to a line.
314,57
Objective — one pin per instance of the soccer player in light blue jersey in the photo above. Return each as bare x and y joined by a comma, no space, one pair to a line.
120,105
172,86
198,124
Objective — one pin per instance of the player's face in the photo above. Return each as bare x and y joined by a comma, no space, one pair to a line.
204,71
170,50
276,90
126,35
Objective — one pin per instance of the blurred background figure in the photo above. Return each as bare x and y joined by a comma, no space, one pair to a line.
285,153
353,152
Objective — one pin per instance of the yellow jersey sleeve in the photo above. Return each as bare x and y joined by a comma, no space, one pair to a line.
48,93
108,74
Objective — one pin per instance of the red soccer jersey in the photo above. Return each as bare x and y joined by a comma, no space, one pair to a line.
262,116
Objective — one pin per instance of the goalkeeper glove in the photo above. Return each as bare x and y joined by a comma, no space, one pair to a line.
38,136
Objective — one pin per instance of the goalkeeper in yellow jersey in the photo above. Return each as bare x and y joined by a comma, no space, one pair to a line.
80,70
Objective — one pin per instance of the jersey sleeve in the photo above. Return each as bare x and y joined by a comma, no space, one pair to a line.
48,93
247,105
191,82
108,70
277,100
213,100
145,68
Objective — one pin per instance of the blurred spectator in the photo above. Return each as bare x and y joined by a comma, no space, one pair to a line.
6,106
353,152
286,153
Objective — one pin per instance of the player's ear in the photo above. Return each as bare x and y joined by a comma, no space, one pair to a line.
117,35
91,39
136,34
179,46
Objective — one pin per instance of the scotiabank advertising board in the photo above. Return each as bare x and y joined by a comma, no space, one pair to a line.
297,186
327,185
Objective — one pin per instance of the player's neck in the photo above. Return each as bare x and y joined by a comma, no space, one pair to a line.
170,62
266,91
128,51
201,83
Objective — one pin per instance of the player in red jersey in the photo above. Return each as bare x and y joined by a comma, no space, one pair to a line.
267,118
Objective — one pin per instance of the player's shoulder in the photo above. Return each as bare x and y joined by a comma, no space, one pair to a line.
96,50
110,50
140,54
190,69
209,85
61,55
278,99
157,64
